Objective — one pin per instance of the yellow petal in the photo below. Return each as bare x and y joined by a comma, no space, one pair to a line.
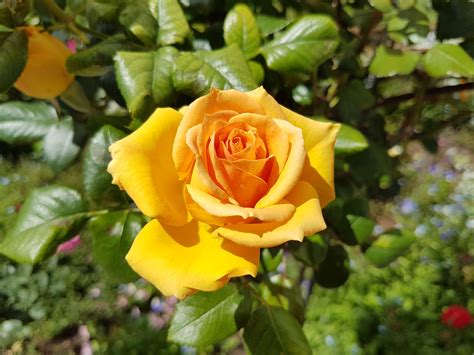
319,140
142,165
277,212
181,260
291,172
269,105
45,75
214,102
306,221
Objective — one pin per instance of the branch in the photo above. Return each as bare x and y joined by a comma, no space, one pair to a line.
429,93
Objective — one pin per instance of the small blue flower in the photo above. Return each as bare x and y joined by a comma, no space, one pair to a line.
421,230
408,206
329,340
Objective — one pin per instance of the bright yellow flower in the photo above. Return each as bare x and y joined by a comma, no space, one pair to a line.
45,75
232,173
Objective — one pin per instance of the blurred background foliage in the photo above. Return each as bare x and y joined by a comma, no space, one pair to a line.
398,75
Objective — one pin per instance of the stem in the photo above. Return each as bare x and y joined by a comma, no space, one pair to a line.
68,20
429,93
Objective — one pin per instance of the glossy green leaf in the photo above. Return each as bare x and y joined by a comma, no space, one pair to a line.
112,237
58,145
196,73
454,19
257,71
448,60
144,79
139,21
333,271
304,46
270,24
274,331
95,60
25,122
388,62
241,28
49,216
362,227
209,317
13,56
349,139
282,294
389,247
354,99
172,24
97,181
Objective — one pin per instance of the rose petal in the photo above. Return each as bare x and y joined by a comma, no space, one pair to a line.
306,221
319,139
215,101
277,212
181,260
142,165
268,104
292,170
45,75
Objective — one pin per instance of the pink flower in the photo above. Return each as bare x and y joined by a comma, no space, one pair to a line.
69,245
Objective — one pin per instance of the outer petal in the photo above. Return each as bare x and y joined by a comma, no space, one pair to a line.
291,172
277,212
181,260
269,105
306,221
215,101
319,140
142,165
45,75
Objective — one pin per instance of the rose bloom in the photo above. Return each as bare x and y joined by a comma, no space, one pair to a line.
45,75
456,316
230,174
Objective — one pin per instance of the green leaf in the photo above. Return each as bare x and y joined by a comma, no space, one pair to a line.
304,46
454,19
97,181
257,71
448,60
25,122
144,79
112,237
49,216
336,218
333,271
271,24
209,317
95,60
241,28
311,251
139,21
362,227
58,146
271,258
354,99
389,247
196,73
388,62
13,57
75,97
273,330
349,139
172,24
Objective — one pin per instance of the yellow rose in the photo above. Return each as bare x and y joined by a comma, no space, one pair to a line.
45,75
233,173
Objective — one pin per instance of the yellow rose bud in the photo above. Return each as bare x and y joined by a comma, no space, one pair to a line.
232,173
45,75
